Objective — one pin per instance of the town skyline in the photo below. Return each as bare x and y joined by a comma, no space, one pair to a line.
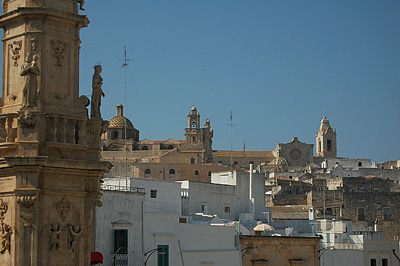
279,67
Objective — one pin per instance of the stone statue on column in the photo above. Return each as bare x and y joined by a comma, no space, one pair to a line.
30,71
97,92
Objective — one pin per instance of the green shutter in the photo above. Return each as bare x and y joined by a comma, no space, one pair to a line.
163,255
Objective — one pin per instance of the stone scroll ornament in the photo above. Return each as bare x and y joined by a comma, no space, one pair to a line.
30,71
5,230
97,93
15,48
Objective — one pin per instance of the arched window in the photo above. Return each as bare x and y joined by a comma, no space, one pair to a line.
171,173
170,147
192,161
194,125
115,135
147,173
145,148
196,175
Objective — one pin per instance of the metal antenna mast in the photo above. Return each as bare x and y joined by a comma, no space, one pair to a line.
231,124
124,65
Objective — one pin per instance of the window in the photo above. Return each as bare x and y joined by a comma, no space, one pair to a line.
372,262
359,163
170,147
121,241
385,262
147,173
192,161
204,208
360,214
145,148
162,255
329,145
386,214
114,135
319,146
194,125
196,175
235,163
227,208
153,193
171,173
194,139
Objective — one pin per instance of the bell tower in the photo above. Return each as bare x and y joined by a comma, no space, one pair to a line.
193,132
326,140
50,166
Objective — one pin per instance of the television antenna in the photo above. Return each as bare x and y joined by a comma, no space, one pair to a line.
125,65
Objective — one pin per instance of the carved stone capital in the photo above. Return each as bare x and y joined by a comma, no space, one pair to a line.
26,201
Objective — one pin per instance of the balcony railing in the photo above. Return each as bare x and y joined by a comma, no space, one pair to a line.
122,188
120,260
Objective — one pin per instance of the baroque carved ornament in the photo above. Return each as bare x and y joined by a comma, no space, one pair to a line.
63,238
63,207
5,229
15,48
59,48
26,201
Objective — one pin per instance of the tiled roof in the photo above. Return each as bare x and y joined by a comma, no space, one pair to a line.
119,121
278,161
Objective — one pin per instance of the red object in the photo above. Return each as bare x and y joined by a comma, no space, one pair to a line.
96,257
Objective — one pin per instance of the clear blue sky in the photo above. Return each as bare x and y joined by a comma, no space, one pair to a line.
280,66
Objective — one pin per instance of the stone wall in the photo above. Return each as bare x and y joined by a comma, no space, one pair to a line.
278,250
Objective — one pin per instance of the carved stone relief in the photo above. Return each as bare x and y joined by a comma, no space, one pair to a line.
5,229
27,119
26,201
15,48
63,238
59,48
33,49
63,207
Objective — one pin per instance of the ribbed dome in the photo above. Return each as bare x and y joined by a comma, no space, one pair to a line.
278,161
119,121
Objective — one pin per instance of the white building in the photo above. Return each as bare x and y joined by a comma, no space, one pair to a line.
155,232
341,246
227,196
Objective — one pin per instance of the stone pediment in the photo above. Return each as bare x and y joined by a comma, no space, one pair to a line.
172,141
145,141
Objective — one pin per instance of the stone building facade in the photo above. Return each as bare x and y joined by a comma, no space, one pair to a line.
364,201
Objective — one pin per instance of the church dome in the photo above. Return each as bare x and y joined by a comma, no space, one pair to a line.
118,121
278,161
